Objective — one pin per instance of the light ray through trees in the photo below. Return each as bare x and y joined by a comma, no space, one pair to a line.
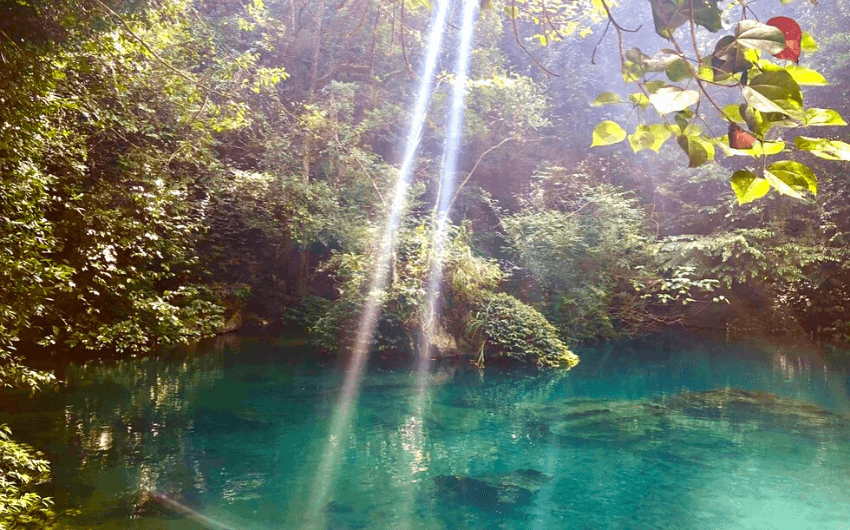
325,478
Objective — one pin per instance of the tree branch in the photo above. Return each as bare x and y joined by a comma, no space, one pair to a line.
475,166
514,10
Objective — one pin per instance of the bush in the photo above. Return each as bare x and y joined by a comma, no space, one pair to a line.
511,329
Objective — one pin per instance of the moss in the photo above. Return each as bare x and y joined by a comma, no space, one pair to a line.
517,331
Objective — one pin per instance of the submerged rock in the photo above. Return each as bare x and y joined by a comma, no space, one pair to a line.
741,406
497,491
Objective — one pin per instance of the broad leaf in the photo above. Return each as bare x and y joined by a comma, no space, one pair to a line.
607,133
774,92
758,149
808,44
672,99
733,112
652,86
699,151
639,98
800,74
823,148
796,175
728,58
768,148
636,56
748,187
649,137
659,63
678,70
752,117
706,73
823,117
781,186
606,98
778,119
683,118
806,76
759,101
670,14
758,36
632,71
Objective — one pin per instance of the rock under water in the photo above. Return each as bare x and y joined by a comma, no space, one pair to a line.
497,491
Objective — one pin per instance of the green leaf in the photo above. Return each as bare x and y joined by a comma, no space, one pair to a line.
768,148
653,86
683,118
808,44
679,70
728,58
632,72
800,74
748,187
755,35
780,88
781,186
649,137
733,112
705,72
512,12
608,133
806,76
823,148
823,117
639,98
670,14
672,99
774,92
796,175
699,151
606,98
636,56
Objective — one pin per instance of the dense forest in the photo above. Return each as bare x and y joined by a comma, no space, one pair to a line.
176,169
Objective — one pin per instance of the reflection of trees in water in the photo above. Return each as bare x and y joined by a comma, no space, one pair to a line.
125,428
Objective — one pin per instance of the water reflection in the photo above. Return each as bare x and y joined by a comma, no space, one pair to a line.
684,435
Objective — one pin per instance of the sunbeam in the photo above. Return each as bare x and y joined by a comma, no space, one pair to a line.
341,419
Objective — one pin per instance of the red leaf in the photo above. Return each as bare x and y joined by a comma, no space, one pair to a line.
793,36
739,138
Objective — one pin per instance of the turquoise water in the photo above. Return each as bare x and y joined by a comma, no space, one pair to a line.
663,433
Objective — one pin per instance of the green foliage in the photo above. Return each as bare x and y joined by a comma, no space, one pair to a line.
21,471
771,93
15,374
473,315
590,262
516,331
553,20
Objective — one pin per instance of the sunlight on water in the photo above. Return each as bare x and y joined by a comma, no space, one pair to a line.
340,422
189,513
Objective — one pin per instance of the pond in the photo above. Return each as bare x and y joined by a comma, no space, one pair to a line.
665,432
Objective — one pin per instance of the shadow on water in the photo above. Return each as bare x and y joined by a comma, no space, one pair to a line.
700,435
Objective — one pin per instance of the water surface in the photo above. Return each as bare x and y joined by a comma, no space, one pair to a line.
667,432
